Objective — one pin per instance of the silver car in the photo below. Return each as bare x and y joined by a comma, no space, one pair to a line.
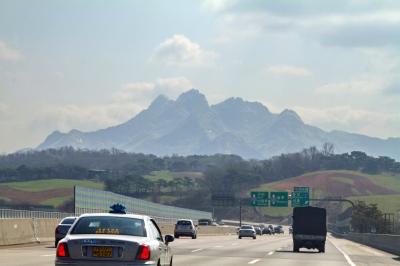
114,239
247,231
185,227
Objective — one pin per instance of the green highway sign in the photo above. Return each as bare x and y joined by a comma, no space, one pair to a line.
301,189
301,197
259,198
279,199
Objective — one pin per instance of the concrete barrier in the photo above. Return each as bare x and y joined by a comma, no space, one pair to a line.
23,231
45,229
388,243
18,231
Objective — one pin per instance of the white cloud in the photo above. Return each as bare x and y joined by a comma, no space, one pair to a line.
287,70
364,86
347,118
8,53
4,110
143,92
337,23
218,5
181,51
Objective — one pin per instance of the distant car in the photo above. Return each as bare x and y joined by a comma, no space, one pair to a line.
114,239
266,231
258,230
185,228
290,230
62,228
220,223
205,222
247,231
278,230
271,229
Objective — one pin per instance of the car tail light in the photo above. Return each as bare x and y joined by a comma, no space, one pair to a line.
144,253
62,250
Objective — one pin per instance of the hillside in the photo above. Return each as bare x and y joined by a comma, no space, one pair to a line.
189,125
49,192
383,189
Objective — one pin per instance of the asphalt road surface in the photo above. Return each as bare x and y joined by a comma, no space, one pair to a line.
231,251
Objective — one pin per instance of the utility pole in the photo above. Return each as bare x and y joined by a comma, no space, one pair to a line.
240,212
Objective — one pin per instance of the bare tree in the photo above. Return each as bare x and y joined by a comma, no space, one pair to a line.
328,149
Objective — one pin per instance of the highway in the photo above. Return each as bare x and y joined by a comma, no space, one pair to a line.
230,251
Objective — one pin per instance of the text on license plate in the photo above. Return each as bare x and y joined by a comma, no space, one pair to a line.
104,252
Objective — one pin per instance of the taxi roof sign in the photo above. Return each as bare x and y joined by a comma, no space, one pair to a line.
118,208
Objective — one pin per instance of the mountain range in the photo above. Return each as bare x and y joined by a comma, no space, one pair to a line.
189,125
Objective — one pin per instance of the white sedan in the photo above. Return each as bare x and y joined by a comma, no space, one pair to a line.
114,239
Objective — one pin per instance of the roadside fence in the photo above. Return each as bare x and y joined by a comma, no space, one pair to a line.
26,214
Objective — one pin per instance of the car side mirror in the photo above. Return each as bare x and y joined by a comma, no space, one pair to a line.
169,239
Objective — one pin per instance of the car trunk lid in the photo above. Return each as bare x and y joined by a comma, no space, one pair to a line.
104,247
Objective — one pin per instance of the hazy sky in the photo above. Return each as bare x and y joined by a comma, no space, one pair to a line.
92,64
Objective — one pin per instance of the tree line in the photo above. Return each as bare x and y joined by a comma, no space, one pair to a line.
71,163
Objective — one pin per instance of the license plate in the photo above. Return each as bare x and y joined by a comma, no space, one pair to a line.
103,252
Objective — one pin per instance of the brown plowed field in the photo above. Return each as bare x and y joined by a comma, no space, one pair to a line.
20,196
335,184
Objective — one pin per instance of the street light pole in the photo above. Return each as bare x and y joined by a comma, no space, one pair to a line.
240,212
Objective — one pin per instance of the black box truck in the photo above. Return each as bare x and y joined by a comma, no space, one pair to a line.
309,228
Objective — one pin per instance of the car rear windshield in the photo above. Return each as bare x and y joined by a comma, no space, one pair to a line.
110,225
247,227
184,223
68,221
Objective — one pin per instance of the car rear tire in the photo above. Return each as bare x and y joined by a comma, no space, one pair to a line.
170,262
254,237
194,236
240,237
176,236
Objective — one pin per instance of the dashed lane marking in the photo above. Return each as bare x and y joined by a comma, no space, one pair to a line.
271,253
196,250
254,261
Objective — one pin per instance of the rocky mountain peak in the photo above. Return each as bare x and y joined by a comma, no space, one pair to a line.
193,101
290,115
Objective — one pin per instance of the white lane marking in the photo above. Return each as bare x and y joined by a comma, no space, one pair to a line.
270,253
196,250
47,255
253,261
349,261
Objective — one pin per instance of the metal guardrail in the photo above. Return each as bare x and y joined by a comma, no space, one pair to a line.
27,214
